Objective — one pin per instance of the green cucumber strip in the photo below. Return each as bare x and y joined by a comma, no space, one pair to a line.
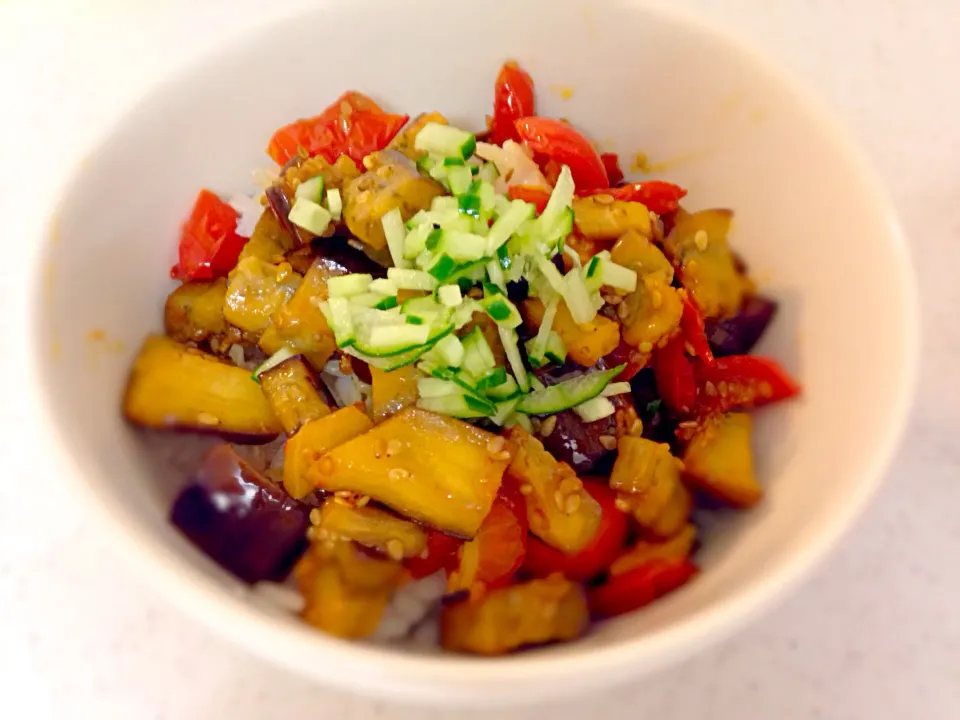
505,390
593,267
503,257
421,306
507,224
470,205
449,295
383,286
618,276
445,140
478,358
386,303
407,279
567,394
552,275
520,419
335,203
463,246
497,376
459,179
347,285
453,161
595,409
271,362
535,383
556,350
616,388
443,268
450,351
310,216
431,387
503,312
539,347
488,172
560,200
577,298
311,189
505,409
416,240
341,320
508,339
459,406
395,234
434,237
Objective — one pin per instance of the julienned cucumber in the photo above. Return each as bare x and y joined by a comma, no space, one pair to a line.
446,141
461,406
271,362
568,393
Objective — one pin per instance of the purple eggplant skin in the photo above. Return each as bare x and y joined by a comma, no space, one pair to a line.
659,424
738,335
241,519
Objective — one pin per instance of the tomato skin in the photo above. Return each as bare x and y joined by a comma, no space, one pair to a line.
497,551
749,381
639,587
209,244
583,566
556,140
625,354
441,554
354,125
659,196
512,99
611,163
534,196
676,380
694,330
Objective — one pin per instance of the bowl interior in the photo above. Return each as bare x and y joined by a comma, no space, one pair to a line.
809,222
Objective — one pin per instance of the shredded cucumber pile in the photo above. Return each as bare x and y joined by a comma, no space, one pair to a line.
474,238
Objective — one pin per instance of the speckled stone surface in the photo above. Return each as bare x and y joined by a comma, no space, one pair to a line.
875,634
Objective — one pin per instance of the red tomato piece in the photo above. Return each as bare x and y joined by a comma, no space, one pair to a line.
694,331
209,244
441,554
639,587
742,381
556,140
354,125
534,196
497,552
659,196
590,562
611,164
512,100
676,381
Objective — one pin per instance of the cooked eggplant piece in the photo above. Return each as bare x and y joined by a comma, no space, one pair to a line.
394,183
586,343
393,391
645,476
240,518
638,252
172,387
334,176
647,550
269,242
737,335
600,217
577,443
194,311
346,589
292,392
659,423
531,613
404,140
299,324
315,438
373,528
675,515
718,459
559,510
699,248
256,291
450,485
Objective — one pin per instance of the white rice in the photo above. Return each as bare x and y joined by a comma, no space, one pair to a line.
250,211
409,607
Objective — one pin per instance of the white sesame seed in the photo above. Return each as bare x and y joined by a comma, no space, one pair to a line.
395,549
398,474
526,489
646,347
393,447
548,425
205,418
609,442
572,504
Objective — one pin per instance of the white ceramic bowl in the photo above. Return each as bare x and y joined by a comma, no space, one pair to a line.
811,221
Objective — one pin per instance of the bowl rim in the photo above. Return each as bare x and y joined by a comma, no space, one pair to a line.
382,671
